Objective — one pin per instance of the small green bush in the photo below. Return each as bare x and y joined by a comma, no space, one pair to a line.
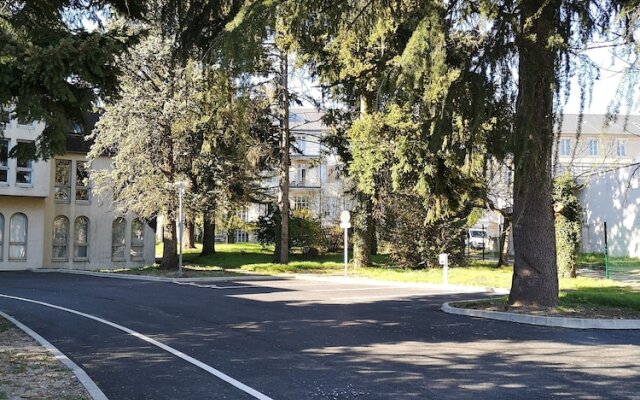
568,216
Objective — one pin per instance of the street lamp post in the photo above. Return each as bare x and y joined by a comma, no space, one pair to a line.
180,186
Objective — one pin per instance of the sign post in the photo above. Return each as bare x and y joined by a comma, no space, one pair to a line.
443,259
345,218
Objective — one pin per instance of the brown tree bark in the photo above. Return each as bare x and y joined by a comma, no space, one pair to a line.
363,233
208,235
503,249
169,244
535,276
285,161
363,224
189,239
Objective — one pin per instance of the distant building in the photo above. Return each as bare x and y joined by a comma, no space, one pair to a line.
604,158
316,180
49,216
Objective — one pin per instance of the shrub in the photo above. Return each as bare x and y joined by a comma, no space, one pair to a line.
304,230
416,244
568,218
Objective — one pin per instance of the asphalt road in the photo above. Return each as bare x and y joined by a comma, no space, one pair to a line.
309,339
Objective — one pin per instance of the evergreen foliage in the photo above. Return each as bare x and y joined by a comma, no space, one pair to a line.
568,218
305,231
179,123
53,68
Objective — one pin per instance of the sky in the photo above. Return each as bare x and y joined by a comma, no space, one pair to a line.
604,90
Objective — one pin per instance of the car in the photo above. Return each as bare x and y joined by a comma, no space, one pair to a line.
477,238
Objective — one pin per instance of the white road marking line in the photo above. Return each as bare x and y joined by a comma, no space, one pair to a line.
85,380
177,353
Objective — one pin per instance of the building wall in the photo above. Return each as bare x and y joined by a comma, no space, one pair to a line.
38,202
100,214
40,184
33,208
612,197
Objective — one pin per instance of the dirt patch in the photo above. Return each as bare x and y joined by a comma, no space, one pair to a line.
29,371
582,311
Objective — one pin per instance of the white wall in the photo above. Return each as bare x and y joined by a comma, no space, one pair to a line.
614,198
33,208
99,211
40,186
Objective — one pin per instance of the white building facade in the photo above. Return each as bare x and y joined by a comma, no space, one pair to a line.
49,217
316,177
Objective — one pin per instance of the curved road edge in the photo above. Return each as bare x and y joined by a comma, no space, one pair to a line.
558,322
88,383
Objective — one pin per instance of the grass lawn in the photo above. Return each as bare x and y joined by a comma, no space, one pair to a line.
243,258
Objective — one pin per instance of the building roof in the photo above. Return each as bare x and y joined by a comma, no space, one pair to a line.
306,119
597,124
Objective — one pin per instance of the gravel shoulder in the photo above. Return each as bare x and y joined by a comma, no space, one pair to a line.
29,371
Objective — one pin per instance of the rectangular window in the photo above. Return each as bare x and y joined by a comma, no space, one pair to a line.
243,214
620,148
4,161
331,207
593,147
301,143
300,202
63,181
565,147
83,191
24,170
323,173
241,236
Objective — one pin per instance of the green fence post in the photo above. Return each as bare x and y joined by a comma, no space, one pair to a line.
606,253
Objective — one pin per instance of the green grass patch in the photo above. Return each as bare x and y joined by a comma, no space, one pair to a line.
596,261
242,258
4,325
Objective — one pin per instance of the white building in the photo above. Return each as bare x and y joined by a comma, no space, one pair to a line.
316,181
605,160
49,217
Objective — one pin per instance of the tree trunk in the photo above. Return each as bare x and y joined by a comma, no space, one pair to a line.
285,162
169,244
363,225
363,233
208,235
503,256
535,275
189,234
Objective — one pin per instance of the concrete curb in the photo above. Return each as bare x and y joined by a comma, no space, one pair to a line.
558,322
157,278
85,380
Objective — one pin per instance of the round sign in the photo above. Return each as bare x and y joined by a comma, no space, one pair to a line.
345,217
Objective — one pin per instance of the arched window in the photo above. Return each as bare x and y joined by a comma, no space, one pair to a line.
1,235
81,239
18,237
118,229
60,238
137,239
